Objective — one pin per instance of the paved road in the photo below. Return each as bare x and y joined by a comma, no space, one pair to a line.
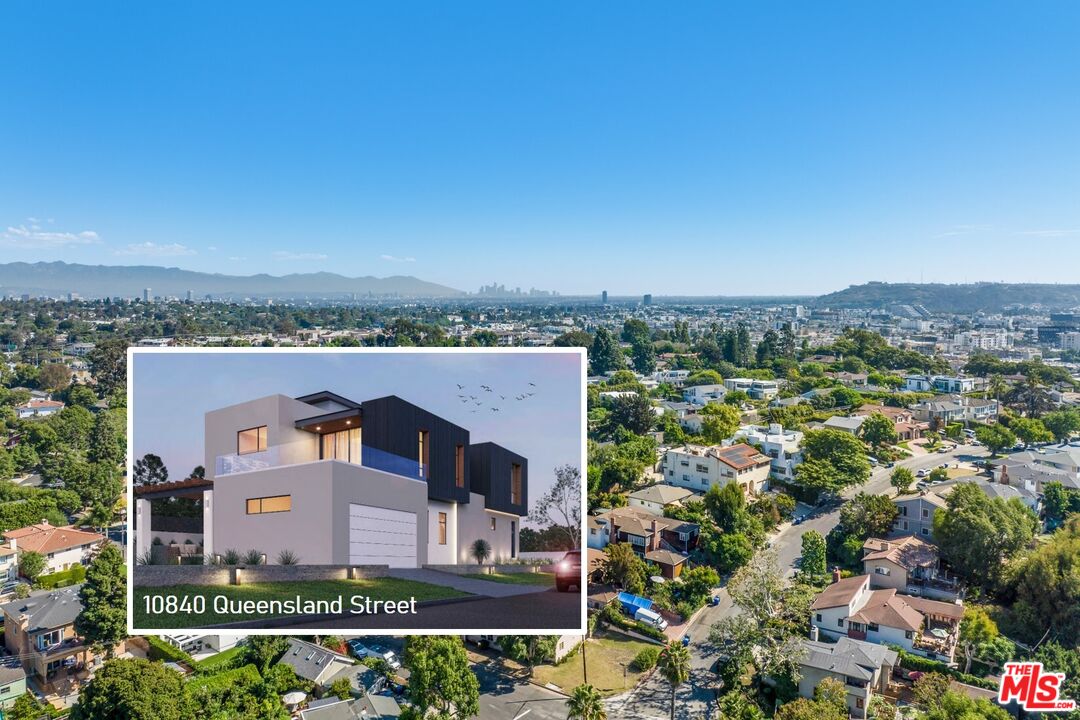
652,698
505,698
490,588
547,610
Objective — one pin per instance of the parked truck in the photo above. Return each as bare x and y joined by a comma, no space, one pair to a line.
640,609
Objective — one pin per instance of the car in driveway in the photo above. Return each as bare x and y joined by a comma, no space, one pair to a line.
363,648
568,571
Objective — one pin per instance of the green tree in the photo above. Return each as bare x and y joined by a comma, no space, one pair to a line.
878,430
585,703
841,450
719,422
529,650
263,650
624,567
1048,581
995,437
341,688
866,516
813,554
976,628
108,364
574,338
133,690
149,470
977,534
1059,501
7,464
633,412
26,707
674,666
441,682
819,475
605,355
1030,431
106,440
1062,424
31,564
902,479
103,620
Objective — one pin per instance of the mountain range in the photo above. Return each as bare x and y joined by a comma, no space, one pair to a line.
966,298
93,281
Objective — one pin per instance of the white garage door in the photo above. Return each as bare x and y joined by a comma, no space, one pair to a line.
378,536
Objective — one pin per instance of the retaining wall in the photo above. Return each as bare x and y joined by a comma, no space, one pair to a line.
164,575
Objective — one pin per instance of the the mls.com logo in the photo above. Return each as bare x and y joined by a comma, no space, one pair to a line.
1033,689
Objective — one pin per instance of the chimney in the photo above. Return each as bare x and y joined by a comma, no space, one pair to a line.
836,574
13,543
814,633
1004,480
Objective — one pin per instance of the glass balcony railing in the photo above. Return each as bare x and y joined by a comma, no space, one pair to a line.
272,457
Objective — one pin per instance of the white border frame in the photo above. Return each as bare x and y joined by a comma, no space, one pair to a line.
130,492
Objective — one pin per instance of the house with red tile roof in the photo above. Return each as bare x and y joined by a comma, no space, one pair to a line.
63,547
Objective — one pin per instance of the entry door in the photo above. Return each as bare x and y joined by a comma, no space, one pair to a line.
380,536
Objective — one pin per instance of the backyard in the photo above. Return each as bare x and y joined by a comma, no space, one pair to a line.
606,653
385,589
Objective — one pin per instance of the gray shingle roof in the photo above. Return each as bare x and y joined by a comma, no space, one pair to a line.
313,662
854,658
47,609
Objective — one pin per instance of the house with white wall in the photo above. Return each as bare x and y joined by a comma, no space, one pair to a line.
704,394
863,669
699,467
781,445
62,547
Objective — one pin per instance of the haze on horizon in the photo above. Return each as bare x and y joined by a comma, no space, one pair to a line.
716,151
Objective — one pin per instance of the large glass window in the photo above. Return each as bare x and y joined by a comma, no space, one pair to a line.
276,503
424,450
343,445
442,528
251,440
515,484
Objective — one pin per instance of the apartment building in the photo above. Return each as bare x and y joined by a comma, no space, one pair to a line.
378,482
780,445
699,467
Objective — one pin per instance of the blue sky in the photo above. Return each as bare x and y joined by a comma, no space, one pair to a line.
786,147
174,390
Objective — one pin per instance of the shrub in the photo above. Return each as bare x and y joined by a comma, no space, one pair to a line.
911,661
646,659
63,578
163,651
156,541
253,557
288,557
686,609
230,557
480,550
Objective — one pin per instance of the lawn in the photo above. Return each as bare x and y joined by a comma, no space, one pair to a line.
387,589
604,654
220,660
516,578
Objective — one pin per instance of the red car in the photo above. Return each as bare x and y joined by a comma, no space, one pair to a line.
568,571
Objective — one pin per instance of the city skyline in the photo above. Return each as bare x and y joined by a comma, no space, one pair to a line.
537,146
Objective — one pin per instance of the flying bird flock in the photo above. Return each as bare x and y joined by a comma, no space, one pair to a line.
488,397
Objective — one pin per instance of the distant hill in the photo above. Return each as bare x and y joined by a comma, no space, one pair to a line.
985,297
92,281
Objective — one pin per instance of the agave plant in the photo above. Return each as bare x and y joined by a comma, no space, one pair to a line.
230,557
480,550
288,557
253,557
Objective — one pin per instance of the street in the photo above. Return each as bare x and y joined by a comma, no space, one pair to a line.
505,698
652,698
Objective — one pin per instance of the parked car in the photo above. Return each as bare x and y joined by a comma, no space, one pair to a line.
384,653
797,520
714,600
921,473
686,640
568,571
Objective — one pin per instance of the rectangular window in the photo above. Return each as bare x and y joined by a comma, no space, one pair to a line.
492,523
840,622
422,452
251,440
343,445
819,617
873,627
515,484
702,468
275,504
925,513
459,466
442,528
926,531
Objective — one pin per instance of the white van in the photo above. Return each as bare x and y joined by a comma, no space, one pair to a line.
650,618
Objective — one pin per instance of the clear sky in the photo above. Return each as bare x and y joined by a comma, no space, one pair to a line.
174,390
759,147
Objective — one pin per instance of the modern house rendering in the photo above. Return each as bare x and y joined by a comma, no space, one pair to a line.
333,481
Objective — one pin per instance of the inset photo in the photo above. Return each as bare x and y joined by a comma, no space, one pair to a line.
326,490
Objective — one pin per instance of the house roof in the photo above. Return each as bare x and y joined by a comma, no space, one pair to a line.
661,494
741,456
884,607
11,671
313,662
665,557
596,559
46,609
187,484
330,708
935,607
908,552
639,522
840,592
39,404
854,658
845,423
45,538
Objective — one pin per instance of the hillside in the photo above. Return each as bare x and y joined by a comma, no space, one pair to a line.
54,278
985,297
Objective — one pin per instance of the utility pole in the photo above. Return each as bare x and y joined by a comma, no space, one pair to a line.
584,664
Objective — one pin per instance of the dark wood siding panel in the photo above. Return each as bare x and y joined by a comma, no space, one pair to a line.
393,425
492,469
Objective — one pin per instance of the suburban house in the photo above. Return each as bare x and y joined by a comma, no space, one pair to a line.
915,514
704,394
907,564
378,482
781,445
649,534
655,498
1030,473
675,378
850,608
320,665
9,563
63,547
40,631
38,407
850,425
956,408
368,707
756,389
699,467
905,424
12,681
863,668
939,383
203,644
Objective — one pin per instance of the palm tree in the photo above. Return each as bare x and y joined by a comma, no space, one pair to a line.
584,703
674,665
